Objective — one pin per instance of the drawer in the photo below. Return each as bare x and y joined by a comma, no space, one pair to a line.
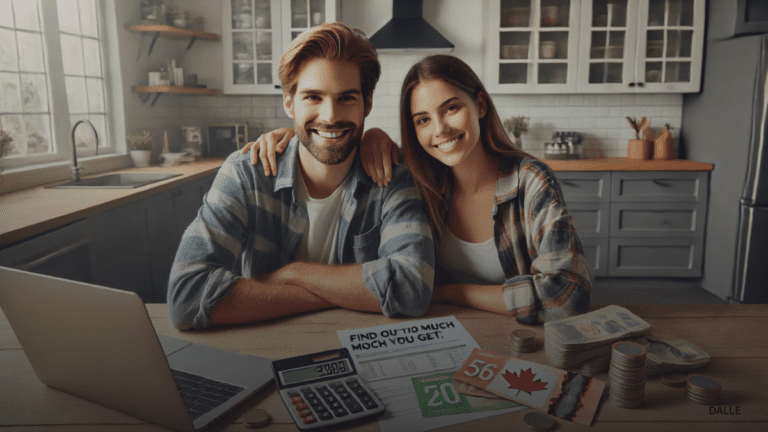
584,186
655,257
596,252
657,219
659,186
590,219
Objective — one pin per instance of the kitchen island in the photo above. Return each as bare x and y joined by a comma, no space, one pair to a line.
735,337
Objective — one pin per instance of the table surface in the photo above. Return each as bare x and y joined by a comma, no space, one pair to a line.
735,336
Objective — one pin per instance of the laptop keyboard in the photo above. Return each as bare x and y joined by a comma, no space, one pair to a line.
202,394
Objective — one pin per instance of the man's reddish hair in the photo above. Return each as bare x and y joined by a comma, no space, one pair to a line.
331,41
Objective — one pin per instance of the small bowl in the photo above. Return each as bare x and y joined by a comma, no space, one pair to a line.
514,52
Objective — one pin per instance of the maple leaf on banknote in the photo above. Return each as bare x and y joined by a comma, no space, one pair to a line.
524,381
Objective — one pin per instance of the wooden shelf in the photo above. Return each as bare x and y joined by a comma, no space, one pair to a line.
158,90
175,89
171,32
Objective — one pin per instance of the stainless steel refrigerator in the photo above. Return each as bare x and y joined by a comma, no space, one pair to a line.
726,124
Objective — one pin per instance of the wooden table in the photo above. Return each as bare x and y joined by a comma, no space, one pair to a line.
735,336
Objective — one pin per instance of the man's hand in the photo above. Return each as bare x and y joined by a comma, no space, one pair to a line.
267,146
377,153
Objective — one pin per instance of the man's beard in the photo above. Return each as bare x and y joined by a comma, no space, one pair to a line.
330,154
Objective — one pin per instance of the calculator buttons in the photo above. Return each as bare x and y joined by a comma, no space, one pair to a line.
339,412
309,419
300,406
352,405
325,415
296,400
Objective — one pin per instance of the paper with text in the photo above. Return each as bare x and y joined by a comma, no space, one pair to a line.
388,357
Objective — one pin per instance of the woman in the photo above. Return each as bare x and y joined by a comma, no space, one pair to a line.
505,242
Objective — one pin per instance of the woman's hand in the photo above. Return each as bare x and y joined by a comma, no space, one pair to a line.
377,153
267,146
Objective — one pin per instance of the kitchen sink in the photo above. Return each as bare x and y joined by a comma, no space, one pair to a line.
114,181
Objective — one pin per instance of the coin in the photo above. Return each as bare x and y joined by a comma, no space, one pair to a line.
256,418
523,334
673,379
538,421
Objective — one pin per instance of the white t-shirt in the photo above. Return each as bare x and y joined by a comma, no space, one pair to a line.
322,233
472,263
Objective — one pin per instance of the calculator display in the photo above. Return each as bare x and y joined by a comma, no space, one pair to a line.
309,373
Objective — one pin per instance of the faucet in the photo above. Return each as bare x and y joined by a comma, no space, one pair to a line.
75,168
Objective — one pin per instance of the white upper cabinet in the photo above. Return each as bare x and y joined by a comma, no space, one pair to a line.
622,46
650,46
257,32
533,46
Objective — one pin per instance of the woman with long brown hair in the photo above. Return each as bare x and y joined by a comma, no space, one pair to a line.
505,241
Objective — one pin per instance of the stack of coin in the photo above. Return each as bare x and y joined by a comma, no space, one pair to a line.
673,379
523,341
626,375
703,389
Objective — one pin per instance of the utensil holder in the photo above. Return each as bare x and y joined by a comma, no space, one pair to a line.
663,148
639,149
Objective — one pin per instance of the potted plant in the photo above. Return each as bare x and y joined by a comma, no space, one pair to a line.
139,147
5,145
516,126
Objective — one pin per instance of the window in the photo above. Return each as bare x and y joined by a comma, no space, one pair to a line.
52,75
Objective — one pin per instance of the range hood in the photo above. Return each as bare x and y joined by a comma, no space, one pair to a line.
408,31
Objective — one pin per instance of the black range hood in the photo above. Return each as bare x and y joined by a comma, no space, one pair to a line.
408,31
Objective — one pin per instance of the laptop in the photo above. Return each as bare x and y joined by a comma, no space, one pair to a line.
99,344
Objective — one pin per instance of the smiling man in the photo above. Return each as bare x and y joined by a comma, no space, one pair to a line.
321,234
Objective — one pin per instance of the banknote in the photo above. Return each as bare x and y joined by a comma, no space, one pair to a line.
665,354
554,391
596,328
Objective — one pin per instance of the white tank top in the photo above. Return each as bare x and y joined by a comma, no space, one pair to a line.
321,235
473,263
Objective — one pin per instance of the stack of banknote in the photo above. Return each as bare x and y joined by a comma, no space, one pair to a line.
582,343
667,354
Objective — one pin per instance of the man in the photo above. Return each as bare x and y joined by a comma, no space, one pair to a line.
321,234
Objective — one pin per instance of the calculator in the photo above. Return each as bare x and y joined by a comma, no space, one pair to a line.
324,389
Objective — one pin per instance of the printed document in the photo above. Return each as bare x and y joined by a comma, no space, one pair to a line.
388,357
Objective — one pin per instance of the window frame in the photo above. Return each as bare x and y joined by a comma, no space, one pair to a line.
58,162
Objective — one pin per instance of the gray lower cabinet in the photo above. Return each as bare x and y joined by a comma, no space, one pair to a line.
645,224
63,252
587,197
130,247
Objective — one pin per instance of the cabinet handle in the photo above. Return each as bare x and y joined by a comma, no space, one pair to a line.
37,261
568,183
661,183
631,84
641,84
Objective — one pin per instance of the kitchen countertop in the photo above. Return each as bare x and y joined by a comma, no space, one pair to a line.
33,211
625,164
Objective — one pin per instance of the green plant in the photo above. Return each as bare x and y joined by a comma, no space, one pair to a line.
139,141
5,143
516,125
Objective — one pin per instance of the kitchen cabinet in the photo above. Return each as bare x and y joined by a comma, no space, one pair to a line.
533,46
595,46
587,198
130,247
62,252
639,224
256,33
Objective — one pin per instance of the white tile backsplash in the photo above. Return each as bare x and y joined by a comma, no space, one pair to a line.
601,118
